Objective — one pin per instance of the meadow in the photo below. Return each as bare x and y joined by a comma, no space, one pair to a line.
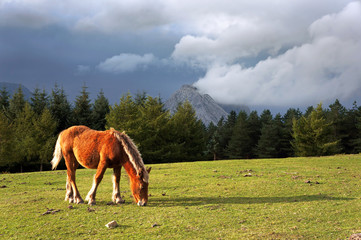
292,198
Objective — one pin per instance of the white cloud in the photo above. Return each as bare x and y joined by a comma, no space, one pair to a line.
325,68
243,38
126,62
230,31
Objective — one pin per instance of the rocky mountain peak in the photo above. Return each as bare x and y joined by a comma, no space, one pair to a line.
207,110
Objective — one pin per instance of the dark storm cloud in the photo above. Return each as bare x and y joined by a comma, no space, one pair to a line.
243,52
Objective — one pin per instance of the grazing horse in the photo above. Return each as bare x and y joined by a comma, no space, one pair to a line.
101,150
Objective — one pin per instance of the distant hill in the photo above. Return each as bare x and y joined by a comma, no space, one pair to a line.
207,110
11,88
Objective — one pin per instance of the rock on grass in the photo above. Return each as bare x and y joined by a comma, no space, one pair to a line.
112,224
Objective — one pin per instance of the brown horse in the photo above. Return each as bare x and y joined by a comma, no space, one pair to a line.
101,150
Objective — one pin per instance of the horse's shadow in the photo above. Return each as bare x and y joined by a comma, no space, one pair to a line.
198,201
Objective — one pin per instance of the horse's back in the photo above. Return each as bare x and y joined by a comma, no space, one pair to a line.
88,145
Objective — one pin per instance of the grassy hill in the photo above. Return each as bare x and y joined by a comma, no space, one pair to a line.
294,198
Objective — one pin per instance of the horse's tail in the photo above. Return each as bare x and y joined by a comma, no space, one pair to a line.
57,155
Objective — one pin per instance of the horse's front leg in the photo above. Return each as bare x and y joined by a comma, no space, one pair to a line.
97,179
116,193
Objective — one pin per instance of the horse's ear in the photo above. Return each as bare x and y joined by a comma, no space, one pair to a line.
148,169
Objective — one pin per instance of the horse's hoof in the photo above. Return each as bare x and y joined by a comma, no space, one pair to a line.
91,201
120,201
79,201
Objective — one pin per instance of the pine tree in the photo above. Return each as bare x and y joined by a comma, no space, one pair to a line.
312,135
239,145
271,142
123,116
358,140
309,110
353,121
82,112
188,133
146,121
152,132
352,141
24,141
45,136
337,115
266,117
212,140
16,103
100,110
224,134
4,100
288,118
6,141
283,142
265,146
39,101
140,98
60,108
254,131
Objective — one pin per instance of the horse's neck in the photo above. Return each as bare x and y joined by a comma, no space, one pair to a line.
128,166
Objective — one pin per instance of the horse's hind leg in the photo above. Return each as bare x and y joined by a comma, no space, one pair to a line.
97,179
71,165
116,193
69,192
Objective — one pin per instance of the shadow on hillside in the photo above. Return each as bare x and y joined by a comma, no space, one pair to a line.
197,201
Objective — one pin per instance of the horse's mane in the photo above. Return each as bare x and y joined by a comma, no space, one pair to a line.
133,153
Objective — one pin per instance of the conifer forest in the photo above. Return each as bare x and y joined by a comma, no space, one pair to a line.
29,129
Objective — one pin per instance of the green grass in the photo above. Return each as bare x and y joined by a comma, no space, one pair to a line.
200,200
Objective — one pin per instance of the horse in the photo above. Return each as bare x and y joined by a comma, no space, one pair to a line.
101,150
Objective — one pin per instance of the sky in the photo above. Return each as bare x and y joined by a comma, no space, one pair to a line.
260,53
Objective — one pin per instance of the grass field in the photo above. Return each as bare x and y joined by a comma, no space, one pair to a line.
294,198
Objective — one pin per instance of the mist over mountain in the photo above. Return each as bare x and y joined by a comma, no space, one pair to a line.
207,110
237,108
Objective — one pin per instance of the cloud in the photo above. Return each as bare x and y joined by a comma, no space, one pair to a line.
202,17
82,69
245,38
116,16
227,32
25,13
126,62
110,16
252,52
324,68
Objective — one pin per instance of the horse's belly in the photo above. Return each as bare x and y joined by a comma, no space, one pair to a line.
88,159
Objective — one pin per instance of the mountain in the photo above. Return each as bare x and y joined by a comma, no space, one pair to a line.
207,110
11,88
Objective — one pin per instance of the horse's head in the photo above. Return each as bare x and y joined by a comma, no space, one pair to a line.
139,187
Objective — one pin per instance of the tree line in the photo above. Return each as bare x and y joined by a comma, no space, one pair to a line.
317,132
29,128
